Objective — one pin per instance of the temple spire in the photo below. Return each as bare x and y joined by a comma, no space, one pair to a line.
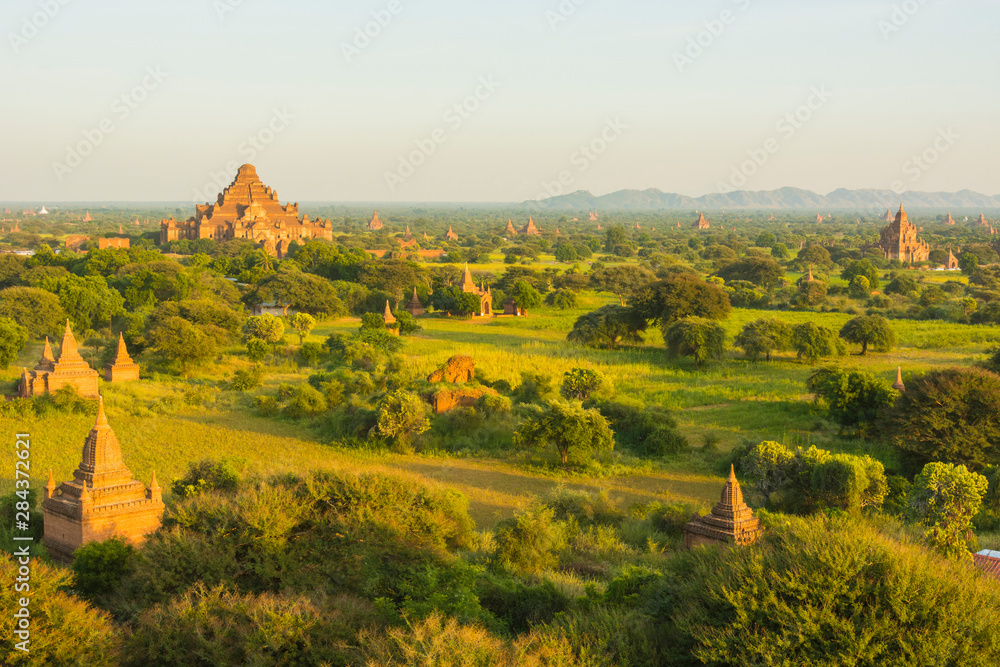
898,385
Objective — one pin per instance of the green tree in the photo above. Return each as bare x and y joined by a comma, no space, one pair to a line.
304,292
89,302
681,295
815,256
854,398
873,330
901,284
607,327
563,299
401,417
615,239
952,414
13,338
525,296
944,498
257,350
762,271
99,566
812,342
565,252
861,268
267,328
35,309
764,336
407,323
780,251
571,429
579,383
768,466
174,338
622,280
696,337
303,323
968,263
860,288
811,293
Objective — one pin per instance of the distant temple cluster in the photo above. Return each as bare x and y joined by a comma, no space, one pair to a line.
899,240
248,209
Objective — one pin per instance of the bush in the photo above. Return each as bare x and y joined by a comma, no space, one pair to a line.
579,383
855,398
244,380
521,607
644,430
311,353
99,566
563,299
305,401
529,542
401,417
209,475
800,596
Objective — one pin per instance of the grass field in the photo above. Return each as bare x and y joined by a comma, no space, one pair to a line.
727,401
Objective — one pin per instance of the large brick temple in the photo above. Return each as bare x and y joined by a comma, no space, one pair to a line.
52,374
101,501
899,240
248,209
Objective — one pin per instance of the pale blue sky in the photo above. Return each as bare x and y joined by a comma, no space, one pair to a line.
558,88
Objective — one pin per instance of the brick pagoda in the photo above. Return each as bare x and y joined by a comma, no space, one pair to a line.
702,222
101,501
69,369
375,224
248,209
390,319
485,294
731,521
899,241
121,368
530,229
414,307
510,228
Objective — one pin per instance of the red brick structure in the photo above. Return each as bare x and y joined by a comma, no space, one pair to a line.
75,241
899,241
414,307
458,369
510,228
731,521
390,319
485,294
121,368
952,264
950,220
375,224
451,235
702,222
530,229
101,501
248,209
113,243
52,374
988,562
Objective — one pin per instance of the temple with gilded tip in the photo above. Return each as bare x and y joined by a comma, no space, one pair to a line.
248,209
102,500
730,522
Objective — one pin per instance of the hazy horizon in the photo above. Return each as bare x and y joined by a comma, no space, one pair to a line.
331,115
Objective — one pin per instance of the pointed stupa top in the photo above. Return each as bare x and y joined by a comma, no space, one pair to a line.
121,354
102,463
730,521
51,485
901,217
68,352
510,228
732,494
153,486
48,360
810,278
375,223
467,278
388,316
898,384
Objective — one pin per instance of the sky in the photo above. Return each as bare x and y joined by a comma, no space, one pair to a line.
498,101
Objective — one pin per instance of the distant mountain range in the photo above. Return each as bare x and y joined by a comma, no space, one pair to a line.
864,201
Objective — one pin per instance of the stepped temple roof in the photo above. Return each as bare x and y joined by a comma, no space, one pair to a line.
731,521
